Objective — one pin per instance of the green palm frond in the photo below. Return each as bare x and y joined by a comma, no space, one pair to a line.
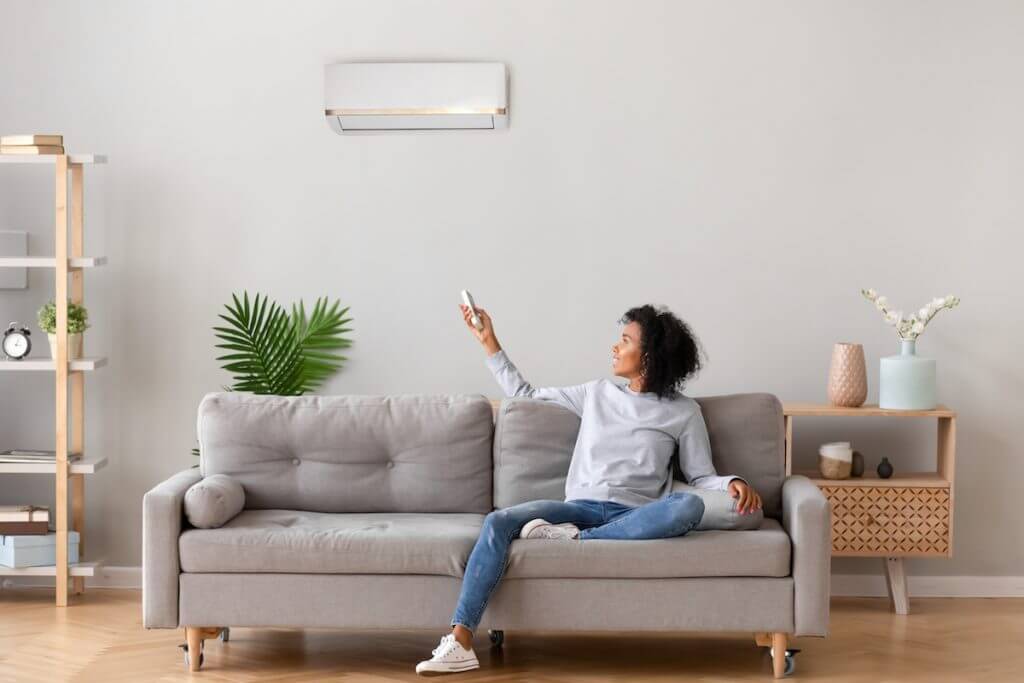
272,352
319,337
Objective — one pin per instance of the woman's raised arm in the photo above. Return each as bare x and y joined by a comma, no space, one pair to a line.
508,376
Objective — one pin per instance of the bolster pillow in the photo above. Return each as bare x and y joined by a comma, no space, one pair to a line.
213,501
720,510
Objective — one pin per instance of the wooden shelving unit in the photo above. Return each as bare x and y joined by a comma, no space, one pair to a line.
44,262
908,515
70,159
83,466
69,264
77,365
74,570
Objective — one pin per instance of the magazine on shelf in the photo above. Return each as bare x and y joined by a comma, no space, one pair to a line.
26,455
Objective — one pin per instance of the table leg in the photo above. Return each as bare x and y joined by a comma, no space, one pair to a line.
896,582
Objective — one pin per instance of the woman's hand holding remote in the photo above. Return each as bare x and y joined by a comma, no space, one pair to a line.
484,336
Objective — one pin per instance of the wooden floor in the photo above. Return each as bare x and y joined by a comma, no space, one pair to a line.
101,639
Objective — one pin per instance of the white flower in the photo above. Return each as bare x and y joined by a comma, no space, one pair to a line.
938,302
881,301
871,294
918,327
924,312
950,300
891,318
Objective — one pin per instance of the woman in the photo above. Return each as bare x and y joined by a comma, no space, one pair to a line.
620,479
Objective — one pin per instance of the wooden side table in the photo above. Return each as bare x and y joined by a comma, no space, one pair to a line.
907,515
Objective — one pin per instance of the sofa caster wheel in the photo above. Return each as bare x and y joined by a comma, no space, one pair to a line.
188,658
790,665
225,634
497,637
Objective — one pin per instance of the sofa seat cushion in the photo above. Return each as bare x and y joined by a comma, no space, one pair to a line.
761,552
288,541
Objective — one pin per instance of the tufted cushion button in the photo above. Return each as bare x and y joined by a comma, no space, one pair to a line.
295,461
390,464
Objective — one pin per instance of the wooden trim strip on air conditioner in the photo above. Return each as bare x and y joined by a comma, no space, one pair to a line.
414,111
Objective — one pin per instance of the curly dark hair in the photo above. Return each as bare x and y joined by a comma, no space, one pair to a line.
669,351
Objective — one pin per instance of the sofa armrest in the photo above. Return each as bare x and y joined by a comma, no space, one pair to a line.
162,514
807,517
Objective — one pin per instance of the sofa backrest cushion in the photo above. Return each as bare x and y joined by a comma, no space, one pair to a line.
355,453
534,440
533,444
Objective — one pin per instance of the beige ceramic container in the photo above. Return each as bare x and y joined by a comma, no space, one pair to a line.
848,376
835,460
831,468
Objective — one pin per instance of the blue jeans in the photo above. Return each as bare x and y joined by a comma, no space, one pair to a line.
673,515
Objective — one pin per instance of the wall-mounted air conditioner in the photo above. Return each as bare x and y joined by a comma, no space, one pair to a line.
382,97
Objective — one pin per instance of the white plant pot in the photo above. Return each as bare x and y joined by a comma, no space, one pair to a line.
74,345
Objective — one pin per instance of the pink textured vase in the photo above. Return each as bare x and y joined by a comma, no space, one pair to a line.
848,376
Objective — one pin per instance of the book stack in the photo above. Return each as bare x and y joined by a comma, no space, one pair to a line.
32,144
18,520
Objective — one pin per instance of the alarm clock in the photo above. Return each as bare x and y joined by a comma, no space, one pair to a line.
16,343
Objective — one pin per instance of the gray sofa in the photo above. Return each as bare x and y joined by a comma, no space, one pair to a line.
361,511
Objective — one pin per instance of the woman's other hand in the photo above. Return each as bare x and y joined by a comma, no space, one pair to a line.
486,335
748,500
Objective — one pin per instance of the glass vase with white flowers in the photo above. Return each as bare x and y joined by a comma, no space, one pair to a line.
907,381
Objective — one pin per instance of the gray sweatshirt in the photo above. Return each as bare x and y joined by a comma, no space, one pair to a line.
624,448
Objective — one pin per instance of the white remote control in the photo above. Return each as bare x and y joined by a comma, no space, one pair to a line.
467,299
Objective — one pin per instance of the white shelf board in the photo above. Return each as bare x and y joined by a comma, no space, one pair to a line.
78,569
50,158
76,365
50,262
86,465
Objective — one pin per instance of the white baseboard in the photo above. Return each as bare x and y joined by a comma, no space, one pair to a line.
843,585
117,577
873,585
108,577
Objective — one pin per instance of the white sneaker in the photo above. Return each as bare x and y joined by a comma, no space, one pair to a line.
449,657
542,528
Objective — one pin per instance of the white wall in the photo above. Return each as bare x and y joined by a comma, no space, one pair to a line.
751,165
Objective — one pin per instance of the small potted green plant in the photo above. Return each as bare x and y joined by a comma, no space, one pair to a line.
78,318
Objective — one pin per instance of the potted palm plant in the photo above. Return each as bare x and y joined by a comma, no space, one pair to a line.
273,352
78,318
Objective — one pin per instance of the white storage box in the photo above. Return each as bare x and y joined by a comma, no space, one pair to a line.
35,551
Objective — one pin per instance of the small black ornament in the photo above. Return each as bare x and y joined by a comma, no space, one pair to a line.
885,468
857,467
